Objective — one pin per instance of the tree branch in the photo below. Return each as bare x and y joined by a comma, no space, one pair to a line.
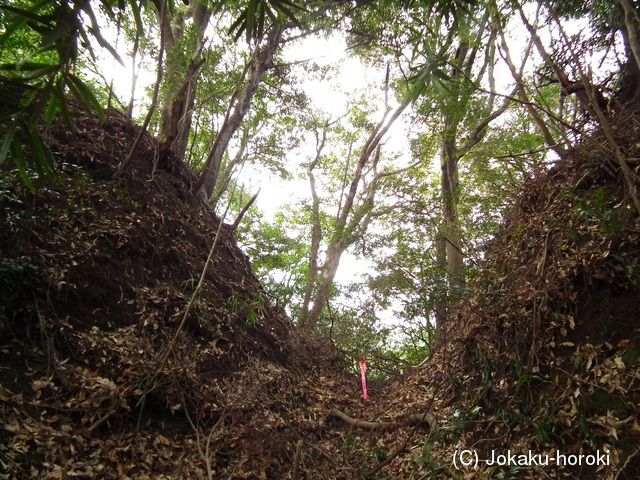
244,211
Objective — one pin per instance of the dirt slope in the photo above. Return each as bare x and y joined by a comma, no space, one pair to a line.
548,359
95,275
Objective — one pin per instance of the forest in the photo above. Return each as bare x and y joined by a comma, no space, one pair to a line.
309,239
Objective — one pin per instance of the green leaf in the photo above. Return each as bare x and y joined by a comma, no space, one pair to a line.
64,28
27,15
251,18
41,72
239,24
6,143
441,86
60,94
41,157
216,7
84,94
278,4
12,28
441,74
135,8
108,8
52,108
23,17
19,160
264,12
269,13
290,15
25,66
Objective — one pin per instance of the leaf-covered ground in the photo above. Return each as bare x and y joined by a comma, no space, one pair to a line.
95,275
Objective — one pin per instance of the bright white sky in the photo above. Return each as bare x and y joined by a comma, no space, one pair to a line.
332,97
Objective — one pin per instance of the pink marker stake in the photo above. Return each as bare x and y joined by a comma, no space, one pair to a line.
363,370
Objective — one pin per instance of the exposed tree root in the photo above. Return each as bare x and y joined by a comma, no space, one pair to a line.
414,419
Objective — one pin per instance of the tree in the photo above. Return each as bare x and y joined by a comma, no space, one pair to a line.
278,258
58,27
233,104
260,60
466,116
453,57
354,212
184,45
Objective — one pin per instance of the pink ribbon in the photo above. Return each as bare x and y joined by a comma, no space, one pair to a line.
363,369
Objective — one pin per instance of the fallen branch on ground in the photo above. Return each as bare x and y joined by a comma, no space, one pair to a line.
413,419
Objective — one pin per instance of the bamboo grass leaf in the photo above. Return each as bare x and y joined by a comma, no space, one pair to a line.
6,143
84,94
20,163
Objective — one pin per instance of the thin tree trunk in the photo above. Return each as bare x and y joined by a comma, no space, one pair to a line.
154,99
260,63
562,78
175,123
134,75
524,99
450,186
224,180
343,235
244,210
316,230
175,119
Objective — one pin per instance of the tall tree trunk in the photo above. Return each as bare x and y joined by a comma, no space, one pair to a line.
441,301
175,118
316,229
452,232
351,218
630,32
449,243
259,64
450,157
328,274
630,28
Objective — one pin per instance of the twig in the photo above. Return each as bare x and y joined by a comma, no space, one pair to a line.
112,408
207,454
626,463
194,297
528,152
52,356
296,461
